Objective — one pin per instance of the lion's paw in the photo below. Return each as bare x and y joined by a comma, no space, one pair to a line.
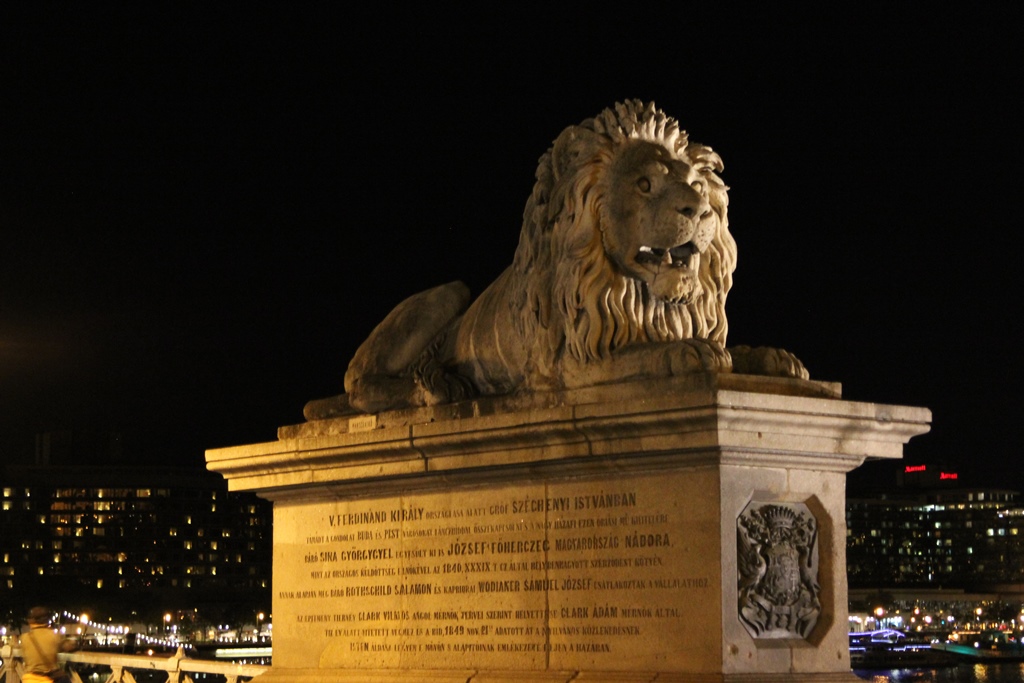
765,360
437,384
696,355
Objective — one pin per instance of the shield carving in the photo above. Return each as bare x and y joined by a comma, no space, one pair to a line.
777,567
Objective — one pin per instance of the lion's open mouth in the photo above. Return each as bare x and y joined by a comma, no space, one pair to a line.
680,256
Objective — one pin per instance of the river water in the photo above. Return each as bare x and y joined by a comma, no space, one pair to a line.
964,673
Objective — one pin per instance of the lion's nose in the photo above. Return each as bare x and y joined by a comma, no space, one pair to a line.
699,209
692,205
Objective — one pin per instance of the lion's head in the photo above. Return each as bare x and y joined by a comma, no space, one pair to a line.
625,235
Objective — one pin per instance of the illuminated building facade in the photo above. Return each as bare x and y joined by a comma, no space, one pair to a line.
147,536
942,538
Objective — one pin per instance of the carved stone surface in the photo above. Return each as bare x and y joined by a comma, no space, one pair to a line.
589,535
777,566
624,263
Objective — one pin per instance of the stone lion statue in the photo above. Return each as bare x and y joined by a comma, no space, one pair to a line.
622,271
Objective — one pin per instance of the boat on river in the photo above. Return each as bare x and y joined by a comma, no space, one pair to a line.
891,649
987,646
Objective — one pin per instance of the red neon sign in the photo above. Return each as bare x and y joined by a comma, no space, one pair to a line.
915,468
948,475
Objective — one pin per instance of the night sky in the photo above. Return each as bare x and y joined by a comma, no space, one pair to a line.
205,208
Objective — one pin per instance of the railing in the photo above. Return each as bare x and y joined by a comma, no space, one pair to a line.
125,668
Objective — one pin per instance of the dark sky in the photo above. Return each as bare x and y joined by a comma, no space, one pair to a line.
204,208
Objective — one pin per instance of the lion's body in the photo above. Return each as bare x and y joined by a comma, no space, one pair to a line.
622,271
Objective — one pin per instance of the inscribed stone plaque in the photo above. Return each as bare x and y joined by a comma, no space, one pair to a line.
612,574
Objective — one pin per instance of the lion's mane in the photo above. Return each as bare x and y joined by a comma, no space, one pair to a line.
561,262
569,311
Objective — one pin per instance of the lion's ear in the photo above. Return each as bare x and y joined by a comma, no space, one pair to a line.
574,143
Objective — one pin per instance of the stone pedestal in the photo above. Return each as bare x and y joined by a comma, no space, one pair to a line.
690,529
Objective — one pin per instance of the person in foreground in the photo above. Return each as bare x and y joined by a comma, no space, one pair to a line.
39,648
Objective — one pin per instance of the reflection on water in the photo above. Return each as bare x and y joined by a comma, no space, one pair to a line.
965,673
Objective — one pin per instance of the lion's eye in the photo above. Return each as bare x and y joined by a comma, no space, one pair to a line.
644,184
698,185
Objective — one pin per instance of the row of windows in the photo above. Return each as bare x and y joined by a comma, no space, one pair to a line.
122,557
991,531
14,492
187,545
123,583
121,532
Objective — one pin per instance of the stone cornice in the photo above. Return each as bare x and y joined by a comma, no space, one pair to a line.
691,421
